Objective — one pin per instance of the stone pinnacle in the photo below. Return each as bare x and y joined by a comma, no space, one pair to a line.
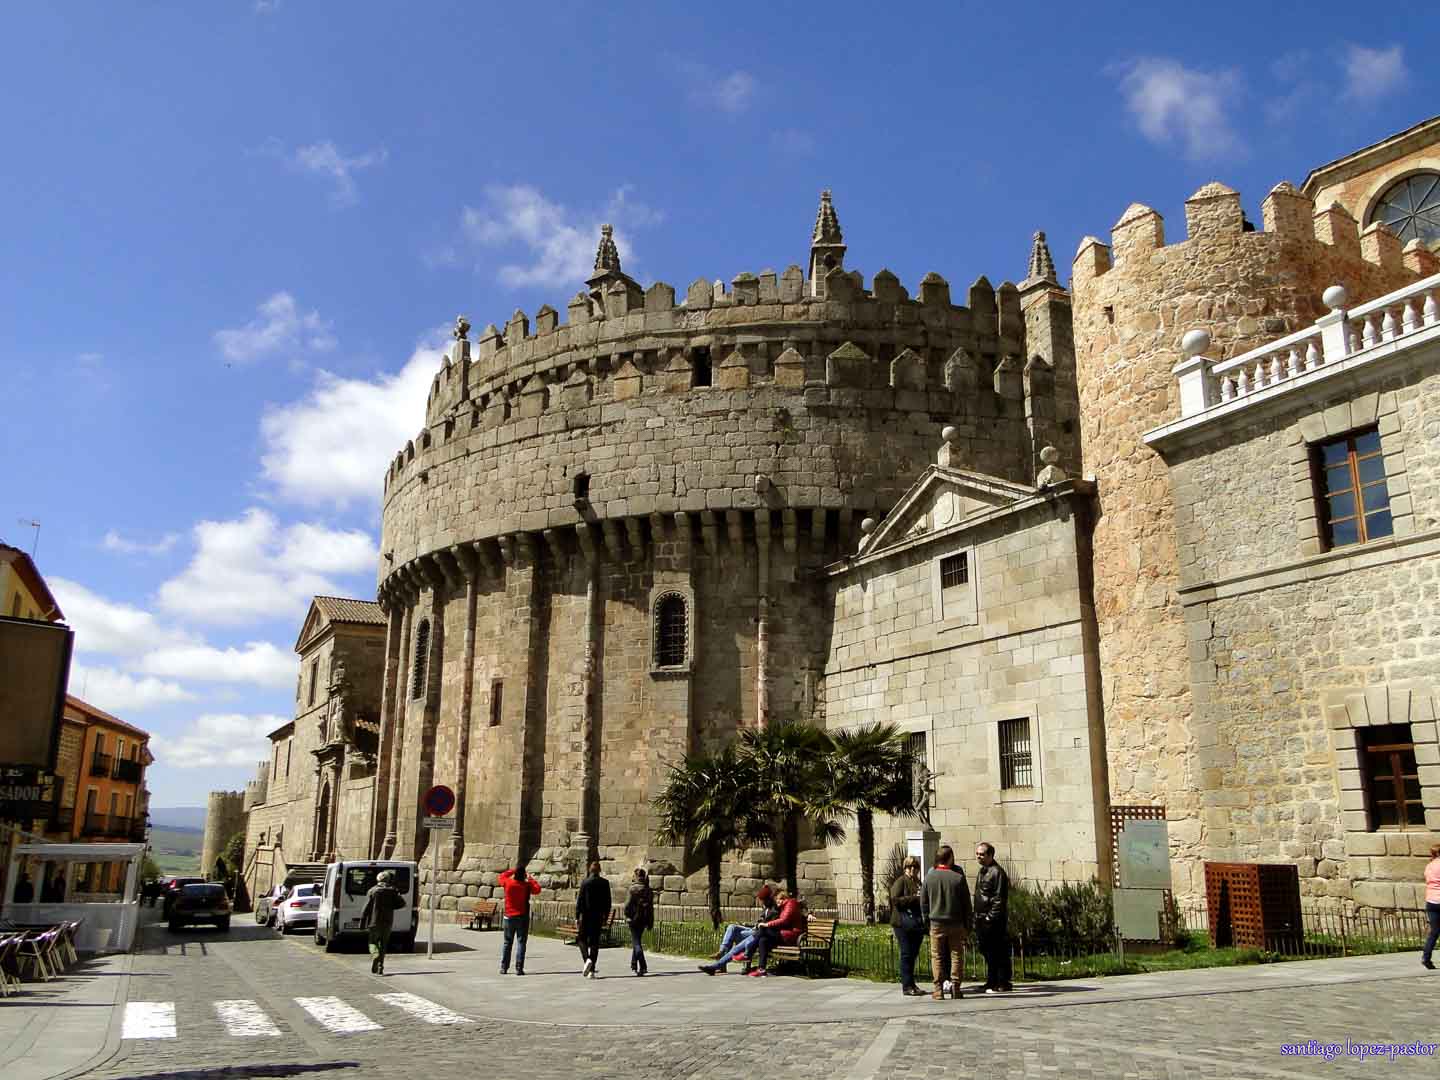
607,256
827,225
1042,266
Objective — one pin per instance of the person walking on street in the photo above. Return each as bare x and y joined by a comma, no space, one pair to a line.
640,916
1432,904
381,903
945,902
518,888
992,910
907,922
592,909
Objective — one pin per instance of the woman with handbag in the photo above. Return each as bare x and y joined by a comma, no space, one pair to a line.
908,923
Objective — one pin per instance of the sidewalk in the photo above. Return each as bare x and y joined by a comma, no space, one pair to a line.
464,974
64,1027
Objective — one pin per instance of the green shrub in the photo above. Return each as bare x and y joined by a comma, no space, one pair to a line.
1069,919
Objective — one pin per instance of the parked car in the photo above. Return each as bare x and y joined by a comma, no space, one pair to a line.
342,902
171,889
199,904
265,905
298,909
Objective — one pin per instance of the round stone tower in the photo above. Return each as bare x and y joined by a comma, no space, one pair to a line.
224,817
1134,300
598,553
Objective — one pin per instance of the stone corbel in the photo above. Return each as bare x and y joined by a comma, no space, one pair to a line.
585,541
683,534
613,545
464,557
710,531
555,541
507,549
789,529
487,558
525,548
735,526
635,533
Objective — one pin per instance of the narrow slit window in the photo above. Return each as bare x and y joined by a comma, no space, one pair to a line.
700,366
422,656
1016,760
497,702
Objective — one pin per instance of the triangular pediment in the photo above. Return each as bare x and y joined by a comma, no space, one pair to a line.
941,498
314,624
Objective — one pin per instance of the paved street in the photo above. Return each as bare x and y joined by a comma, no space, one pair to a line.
250,1003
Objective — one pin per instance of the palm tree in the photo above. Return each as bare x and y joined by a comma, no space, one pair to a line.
789,773
871,768
708,800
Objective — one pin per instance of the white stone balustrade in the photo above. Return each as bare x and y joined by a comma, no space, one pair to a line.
1339,337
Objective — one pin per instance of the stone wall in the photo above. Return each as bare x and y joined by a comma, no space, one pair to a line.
1301,649
902,653
1133,301
224,817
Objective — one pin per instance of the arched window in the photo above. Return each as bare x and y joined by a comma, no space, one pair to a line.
1411,207
422,656
671,631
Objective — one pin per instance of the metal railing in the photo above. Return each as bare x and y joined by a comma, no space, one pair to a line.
101,764
96,824
126,770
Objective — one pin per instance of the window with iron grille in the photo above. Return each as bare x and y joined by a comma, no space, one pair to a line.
670,631
1351,496
955,570
422,657
1016,761
1391,777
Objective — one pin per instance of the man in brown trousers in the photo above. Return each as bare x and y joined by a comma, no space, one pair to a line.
945,902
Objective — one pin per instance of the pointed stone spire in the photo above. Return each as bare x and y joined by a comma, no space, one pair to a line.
827,245
1042,266
827,225
607,256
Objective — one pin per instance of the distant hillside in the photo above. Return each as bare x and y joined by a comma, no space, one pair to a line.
177,851
177,817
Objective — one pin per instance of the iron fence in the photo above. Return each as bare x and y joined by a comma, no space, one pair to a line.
1331,933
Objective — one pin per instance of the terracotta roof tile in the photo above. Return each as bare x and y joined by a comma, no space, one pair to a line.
90,712
344,609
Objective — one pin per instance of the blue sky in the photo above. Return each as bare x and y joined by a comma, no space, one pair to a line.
233,234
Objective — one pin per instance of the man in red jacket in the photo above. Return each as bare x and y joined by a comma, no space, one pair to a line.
518,889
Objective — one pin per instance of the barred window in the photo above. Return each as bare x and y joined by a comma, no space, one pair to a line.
670,631
954,570
1016,762
422,657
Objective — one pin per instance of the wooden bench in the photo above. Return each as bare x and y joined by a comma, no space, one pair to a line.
816,943
570,933
482,915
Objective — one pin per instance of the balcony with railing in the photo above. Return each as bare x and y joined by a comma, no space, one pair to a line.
127,770
62,819
95,825
101,764
1345,340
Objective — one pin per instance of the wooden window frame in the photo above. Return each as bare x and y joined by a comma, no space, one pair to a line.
1390,742
1356,489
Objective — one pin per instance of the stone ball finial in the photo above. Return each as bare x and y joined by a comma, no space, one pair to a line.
1336,297
950,434
867,526
762,483
1051,474
1050,456
1195,342
462,328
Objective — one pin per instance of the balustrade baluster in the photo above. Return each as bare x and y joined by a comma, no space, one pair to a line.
1277,370
1242,383
1431,312
1411,310
1293,363
1389,328
1370,333
1227,388
1312,356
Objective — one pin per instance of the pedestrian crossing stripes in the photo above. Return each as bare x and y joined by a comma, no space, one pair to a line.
245,1019
421,1009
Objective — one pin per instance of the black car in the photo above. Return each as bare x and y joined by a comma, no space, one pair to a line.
200,904
170,889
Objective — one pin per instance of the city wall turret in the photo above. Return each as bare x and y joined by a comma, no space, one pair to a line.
1134,299
224,817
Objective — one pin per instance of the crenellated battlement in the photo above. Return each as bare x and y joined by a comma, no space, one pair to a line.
1214,219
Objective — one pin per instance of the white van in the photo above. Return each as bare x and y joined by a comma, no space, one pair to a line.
342,902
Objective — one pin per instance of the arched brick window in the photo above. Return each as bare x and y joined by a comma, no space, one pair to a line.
672,631
422,656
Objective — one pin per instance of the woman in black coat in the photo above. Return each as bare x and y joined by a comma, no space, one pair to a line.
639,916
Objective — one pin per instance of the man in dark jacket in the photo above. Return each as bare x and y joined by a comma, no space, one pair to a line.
992,906
592,909
381,903
945,903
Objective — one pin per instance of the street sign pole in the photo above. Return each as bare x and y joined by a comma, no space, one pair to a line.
434,873
438,802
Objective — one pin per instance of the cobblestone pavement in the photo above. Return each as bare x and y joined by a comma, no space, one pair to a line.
284,1003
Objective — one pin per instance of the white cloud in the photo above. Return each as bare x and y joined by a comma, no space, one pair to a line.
113,541
1175,104
328,551
110,628
265,7
280,326
561,243
731,93
119,692
217,739
239,573
257,663
333,446
1370,74
325,159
